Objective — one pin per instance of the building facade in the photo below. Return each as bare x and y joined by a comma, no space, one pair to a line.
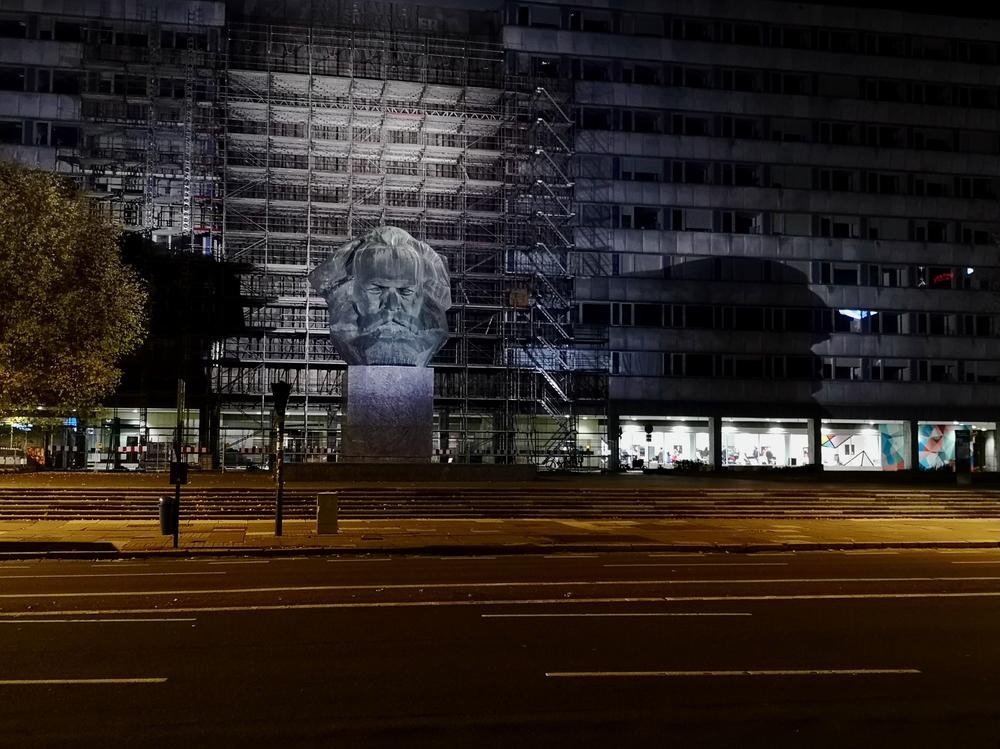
737,233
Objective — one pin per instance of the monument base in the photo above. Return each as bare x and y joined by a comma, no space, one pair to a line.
390,414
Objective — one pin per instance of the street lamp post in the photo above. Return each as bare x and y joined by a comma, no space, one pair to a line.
280,392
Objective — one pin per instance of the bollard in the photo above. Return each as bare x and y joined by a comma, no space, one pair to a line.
326,513
167,516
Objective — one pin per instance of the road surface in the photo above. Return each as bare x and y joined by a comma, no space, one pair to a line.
613,650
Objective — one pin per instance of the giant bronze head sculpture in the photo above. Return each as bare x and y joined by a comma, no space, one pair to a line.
387,294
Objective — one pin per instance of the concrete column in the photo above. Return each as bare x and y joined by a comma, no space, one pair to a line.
996,447
715,441
816,442
613,442
913,447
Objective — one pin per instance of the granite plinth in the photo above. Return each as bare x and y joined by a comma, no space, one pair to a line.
390,414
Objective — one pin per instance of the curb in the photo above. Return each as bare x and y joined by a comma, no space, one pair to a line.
494,550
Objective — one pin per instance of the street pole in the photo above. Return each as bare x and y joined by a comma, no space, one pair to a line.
177,475
280,391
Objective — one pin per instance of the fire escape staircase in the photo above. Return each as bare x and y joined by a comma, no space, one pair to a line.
548,347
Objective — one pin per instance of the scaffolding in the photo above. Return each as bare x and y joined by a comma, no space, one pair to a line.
331,133
148,145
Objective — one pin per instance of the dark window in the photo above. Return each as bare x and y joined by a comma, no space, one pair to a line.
11,132
744,33
800,367
67,32
798,320
13,28
747,367
845,276
698,365
749,318
11,79
649,315
65,136
595,314
65,82
699,316
646,218
596,119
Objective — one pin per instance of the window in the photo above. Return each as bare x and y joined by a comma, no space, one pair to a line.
698,316
65,82
541,17
595,70
698,365
595,314
67,32
649,315
545,67
11,79
15,28
11,132
642,24
595,119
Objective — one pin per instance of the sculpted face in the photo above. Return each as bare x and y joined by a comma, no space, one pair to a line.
387,295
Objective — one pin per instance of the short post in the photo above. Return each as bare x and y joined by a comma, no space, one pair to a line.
280,391
326,513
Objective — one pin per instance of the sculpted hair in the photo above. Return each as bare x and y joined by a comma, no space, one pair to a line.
332,279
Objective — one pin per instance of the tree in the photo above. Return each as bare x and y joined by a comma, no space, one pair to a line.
69,308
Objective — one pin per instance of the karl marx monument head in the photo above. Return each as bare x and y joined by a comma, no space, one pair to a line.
387,294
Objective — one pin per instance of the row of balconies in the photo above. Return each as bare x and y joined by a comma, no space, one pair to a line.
754,151
659,290
727,197
647,340
704,244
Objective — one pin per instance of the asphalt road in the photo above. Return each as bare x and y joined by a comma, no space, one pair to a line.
613,650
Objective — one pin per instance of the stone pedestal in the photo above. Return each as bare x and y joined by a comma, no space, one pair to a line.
390,414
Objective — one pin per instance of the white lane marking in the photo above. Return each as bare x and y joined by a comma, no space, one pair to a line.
448,559
702,564
97,621
570,556
105,574
363,559
110,562
751,672
37,682
982,561
490,602
14,566
246,561
614,614
377,587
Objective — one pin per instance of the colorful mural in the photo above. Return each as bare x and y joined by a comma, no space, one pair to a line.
936,445
893,440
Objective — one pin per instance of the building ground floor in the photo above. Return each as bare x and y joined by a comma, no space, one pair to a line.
654,441
242,439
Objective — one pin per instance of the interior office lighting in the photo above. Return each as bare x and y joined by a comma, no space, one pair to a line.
857,314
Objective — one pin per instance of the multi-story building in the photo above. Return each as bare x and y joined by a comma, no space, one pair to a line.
791,213
741,233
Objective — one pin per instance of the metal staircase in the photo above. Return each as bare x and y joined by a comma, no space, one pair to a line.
543,332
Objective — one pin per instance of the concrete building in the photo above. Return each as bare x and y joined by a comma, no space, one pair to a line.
790,213
740,233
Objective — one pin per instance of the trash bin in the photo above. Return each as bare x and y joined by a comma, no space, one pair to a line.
167,507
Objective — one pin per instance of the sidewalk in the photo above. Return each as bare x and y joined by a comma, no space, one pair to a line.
102,538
